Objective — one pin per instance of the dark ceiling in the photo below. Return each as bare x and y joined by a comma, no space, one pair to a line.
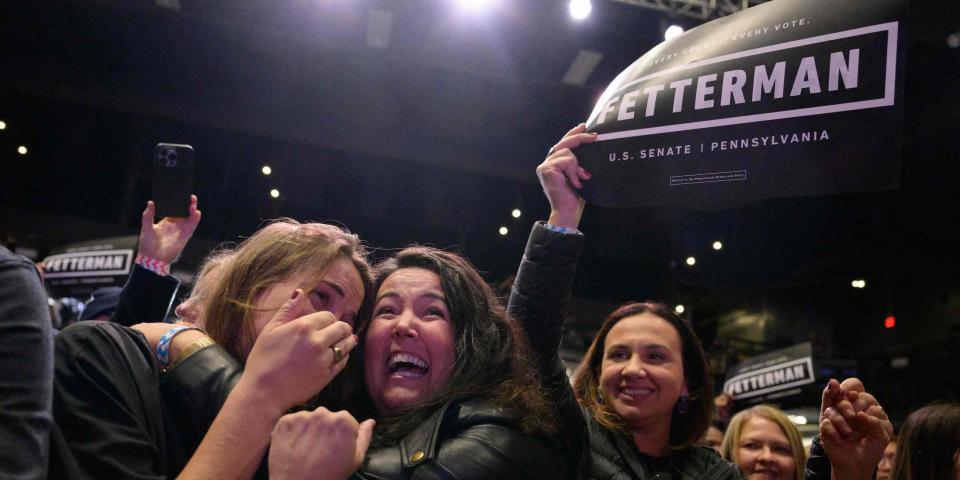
435,139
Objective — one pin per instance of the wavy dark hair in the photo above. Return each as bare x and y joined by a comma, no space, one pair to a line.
928,443
685,428
493,359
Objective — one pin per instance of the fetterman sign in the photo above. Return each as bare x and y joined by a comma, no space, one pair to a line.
77,269
787,98
771,376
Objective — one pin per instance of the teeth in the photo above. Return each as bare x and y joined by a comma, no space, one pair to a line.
403,357
637,391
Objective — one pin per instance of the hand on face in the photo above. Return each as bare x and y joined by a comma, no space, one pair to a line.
854,429
409,351
318,444
641,374
561,175
764,452
293,358
165,240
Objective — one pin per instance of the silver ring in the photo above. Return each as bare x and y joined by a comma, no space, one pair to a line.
337,354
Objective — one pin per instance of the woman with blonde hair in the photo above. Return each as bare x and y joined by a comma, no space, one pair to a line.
118,418
764,443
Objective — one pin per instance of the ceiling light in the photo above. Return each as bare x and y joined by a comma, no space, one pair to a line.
679,309
3,125
22,150
515,213
717,245
266,170
580,9
672,31
691,261
474,5
504,231
275,193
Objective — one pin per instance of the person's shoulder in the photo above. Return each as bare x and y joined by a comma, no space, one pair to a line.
706,463
10,259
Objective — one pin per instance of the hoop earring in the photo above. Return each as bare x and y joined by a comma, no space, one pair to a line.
682,404
599,395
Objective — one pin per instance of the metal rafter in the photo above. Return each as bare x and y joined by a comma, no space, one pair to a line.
698,9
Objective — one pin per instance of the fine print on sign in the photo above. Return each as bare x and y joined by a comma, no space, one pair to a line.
787,98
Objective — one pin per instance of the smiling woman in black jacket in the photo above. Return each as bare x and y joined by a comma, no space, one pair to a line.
643,389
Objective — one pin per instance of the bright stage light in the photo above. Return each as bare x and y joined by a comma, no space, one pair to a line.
691,261
266,170
275,193
679,309
580,9
672,31
3,125
22,150
504,231
717,245
515,213
474,5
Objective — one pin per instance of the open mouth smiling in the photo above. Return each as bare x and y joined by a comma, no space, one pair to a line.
407,365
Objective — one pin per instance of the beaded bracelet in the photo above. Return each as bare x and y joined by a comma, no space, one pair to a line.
163,347
156,266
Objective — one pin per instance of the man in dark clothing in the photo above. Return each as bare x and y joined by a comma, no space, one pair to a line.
26,370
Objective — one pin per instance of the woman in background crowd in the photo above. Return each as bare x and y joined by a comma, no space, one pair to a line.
929,444
885,467
764,443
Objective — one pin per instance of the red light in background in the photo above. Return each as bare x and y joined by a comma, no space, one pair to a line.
890,322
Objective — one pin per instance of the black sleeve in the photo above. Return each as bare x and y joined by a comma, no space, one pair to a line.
107,406
196,389
818,465
26,370
539,300
146,297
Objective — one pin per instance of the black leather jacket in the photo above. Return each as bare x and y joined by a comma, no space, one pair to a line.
464,440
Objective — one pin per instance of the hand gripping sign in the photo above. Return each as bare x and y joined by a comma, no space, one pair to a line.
787,98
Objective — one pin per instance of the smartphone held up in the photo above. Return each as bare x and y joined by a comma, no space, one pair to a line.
172,179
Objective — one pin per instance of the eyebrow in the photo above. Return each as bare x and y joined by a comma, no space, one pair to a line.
649,346
394,293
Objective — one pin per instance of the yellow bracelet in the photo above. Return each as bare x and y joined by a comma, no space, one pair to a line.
194,347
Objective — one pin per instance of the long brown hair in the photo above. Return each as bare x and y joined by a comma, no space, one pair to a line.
279,251
928,443
685,428
492,360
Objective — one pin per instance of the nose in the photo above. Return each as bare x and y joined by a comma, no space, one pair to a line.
635,367
766,455
405,325
186,309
